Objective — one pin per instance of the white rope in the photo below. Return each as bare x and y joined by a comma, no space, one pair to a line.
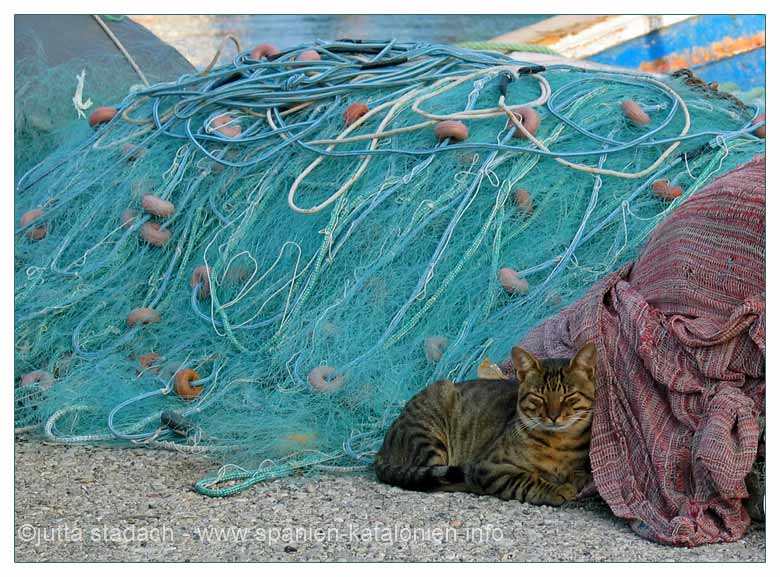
479,112
394,109
219,52
593,170
78,96
52,422
434,118
122,49
439,87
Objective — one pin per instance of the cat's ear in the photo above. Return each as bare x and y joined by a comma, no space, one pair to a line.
585,360
523,363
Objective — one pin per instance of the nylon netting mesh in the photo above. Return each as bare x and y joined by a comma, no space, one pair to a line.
391,284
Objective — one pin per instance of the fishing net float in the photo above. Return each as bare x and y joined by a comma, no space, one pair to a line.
305,242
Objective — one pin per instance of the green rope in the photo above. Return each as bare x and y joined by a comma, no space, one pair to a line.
209,485
490,46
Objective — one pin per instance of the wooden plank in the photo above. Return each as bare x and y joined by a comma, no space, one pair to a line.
700,55
694,42
746,70
585,35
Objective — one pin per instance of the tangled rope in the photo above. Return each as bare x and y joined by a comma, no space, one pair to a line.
323,230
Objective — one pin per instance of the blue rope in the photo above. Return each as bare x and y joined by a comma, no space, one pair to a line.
382,72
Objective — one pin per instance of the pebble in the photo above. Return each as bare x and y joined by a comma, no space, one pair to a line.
127,481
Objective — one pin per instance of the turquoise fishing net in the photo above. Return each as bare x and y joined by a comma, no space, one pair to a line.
342,276
51,52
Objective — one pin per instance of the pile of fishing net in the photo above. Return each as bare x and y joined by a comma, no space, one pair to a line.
264,261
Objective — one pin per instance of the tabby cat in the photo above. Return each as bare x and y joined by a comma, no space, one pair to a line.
524,439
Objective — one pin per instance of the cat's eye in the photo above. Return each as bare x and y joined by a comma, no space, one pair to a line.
532,402
575,401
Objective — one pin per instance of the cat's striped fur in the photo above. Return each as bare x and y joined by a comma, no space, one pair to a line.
523,439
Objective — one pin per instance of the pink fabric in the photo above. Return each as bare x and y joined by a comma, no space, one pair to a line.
681,342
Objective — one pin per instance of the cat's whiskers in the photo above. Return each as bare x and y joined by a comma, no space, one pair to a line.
577,418
584,416
528,423
520,426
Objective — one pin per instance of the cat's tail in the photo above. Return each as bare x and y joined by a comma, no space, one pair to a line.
418,478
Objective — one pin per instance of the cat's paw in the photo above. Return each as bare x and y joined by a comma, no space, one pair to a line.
552,499
567,492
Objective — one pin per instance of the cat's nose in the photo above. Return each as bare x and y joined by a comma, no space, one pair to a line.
554,414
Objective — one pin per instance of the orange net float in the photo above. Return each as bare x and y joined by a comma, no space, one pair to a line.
44,379
128,217
553,298
635,113
201,276
101,115
511,281
664,189
302,438
142,315
487,369
152,233
524,201
354,112
295,442
182,384
761,130
133,152
263,50
37,232
224,125
528,118
330,329
309,56
157,206
237,273
322,379
148,360
435,347
452,129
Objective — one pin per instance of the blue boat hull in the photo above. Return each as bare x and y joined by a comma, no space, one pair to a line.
722,48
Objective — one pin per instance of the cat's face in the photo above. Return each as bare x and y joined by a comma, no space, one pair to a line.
555,395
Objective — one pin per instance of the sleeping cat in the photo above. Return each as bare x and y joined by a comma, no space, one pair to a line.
524,439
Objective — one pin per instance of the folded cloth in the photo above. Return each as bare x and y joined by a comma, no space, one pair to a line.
681,336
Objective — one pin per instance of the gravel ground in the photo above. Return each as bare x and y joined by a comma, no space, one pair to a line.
97,504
